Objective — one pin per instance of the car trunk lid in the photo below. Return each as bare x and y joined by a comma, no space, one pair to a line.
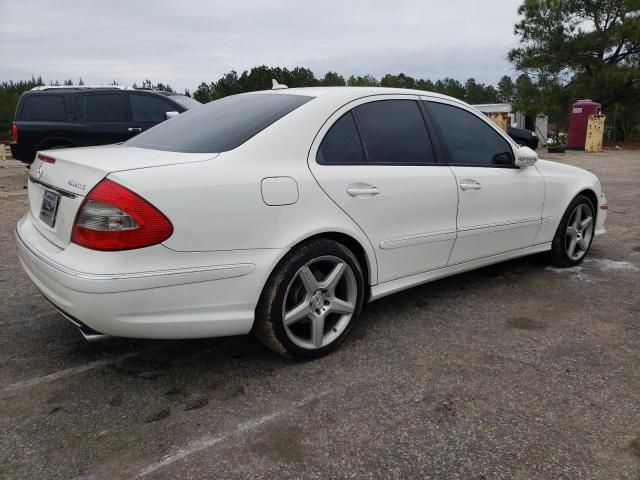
60,179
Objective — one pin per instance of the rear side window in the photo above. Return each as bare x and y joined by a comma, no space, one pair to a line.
44,107
341,144
219,126
104,107
470,140
394,132
146,108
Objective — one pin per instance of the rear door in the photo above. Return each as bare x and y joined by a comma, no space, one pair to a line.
500,206
102,118
375,159
146,110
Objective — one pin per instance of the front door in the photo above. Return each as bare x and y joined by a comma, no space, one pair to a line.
500,205
374,158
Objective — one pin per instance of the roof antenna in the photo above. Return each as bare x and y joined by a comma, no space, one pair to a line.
277,86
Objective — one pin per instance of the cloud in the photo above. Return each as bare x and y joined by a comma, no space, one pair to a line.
185,43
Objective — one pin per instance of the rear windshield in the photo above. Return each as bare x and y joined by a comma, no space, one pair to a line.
44,107
219,126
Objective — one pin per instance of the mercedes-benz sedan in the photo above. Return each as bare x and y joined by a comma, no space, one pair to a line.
283,212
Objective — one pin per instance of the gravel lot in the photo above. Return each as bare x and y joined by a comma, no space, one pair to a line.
516,371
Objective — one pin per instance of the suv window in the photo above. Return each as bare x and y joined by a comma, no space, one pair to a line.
44,107
103,107
341,144
471,141
147,108
221,125
394,132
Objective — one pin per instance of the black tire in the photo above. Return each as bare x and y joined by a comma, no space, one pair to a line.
559,254
269,325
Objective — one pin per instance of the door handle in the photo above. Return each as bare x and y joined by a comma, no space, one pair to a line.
360,189
469,184
135,129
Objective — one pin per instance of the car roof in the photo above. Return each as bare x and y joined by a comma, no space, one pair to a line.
93,89
356,92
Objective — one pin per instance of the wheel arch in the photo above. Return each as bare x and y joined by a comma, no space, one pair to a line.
353,245
366,258
592,196
54,141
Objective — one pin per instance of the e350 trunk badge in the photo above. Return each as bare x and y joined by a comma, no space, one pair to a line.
78,185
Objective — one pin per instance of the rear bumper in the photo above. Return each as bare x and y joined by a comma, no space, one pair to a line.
22,152
191,302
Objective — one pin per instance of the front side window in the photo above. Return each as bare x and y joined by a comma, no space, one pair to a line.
394,132
470,140
44,108
341,144
103,107
147,108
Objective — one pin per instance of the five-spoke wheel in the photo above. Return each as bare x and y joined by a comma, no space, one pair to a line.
311,300
575,233
319,302
579,232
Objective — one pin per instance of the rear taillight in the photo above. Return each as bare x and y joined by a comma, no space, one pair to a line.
112,217
46,158
14,130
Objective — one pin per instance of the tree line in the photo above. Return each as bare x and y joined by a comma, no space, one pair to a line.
259,78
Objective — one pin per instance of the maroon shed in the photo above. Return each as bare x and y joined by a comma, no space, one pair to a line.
580,111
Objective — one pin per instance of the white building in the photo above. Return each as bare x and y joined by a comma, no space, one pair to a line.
538,124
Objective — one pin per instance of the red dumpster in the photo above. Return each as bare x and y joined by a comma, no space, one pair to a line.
578,121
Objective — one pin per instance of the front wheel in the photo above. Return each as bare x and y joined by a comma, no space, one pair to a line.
575,233
311,300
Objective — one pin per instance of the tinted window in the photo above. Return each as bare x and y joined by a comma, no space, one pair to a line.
342,143
470,140
393,131
186,102
44,107
147,108
106,107
219,126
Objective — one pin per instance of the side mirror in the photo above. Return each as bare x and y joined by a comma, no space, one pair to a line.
525,157
168,115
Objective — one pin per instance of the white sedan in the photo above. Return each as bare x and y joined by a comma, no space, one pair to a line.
283,212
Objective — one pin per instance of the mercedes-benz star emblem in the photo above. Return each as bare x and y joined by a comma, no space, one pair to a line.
40,170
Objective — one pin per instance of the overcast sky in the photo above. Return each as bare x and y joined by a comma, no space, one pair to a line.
185,42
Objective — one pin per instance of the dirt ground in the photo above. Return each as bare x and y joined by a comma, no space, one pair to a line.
516,371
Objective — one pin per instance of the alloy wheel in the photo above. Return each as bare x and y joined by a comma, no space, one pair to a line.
319,302
579,232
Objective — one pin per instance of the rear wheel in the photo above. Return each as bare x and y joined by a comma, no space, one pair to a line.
575,233
311,301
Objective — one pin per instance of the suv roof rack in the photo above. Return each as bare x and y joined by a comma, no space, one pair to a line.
79,87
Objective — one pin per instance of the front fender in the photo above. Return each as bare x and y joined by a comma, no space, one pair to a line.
562,184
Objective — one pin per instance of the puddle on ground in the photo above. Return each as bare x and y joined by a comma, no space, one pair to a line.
612,265
603,264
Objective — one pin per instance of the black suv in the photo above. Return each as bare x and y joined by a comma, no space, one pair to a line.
64,117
